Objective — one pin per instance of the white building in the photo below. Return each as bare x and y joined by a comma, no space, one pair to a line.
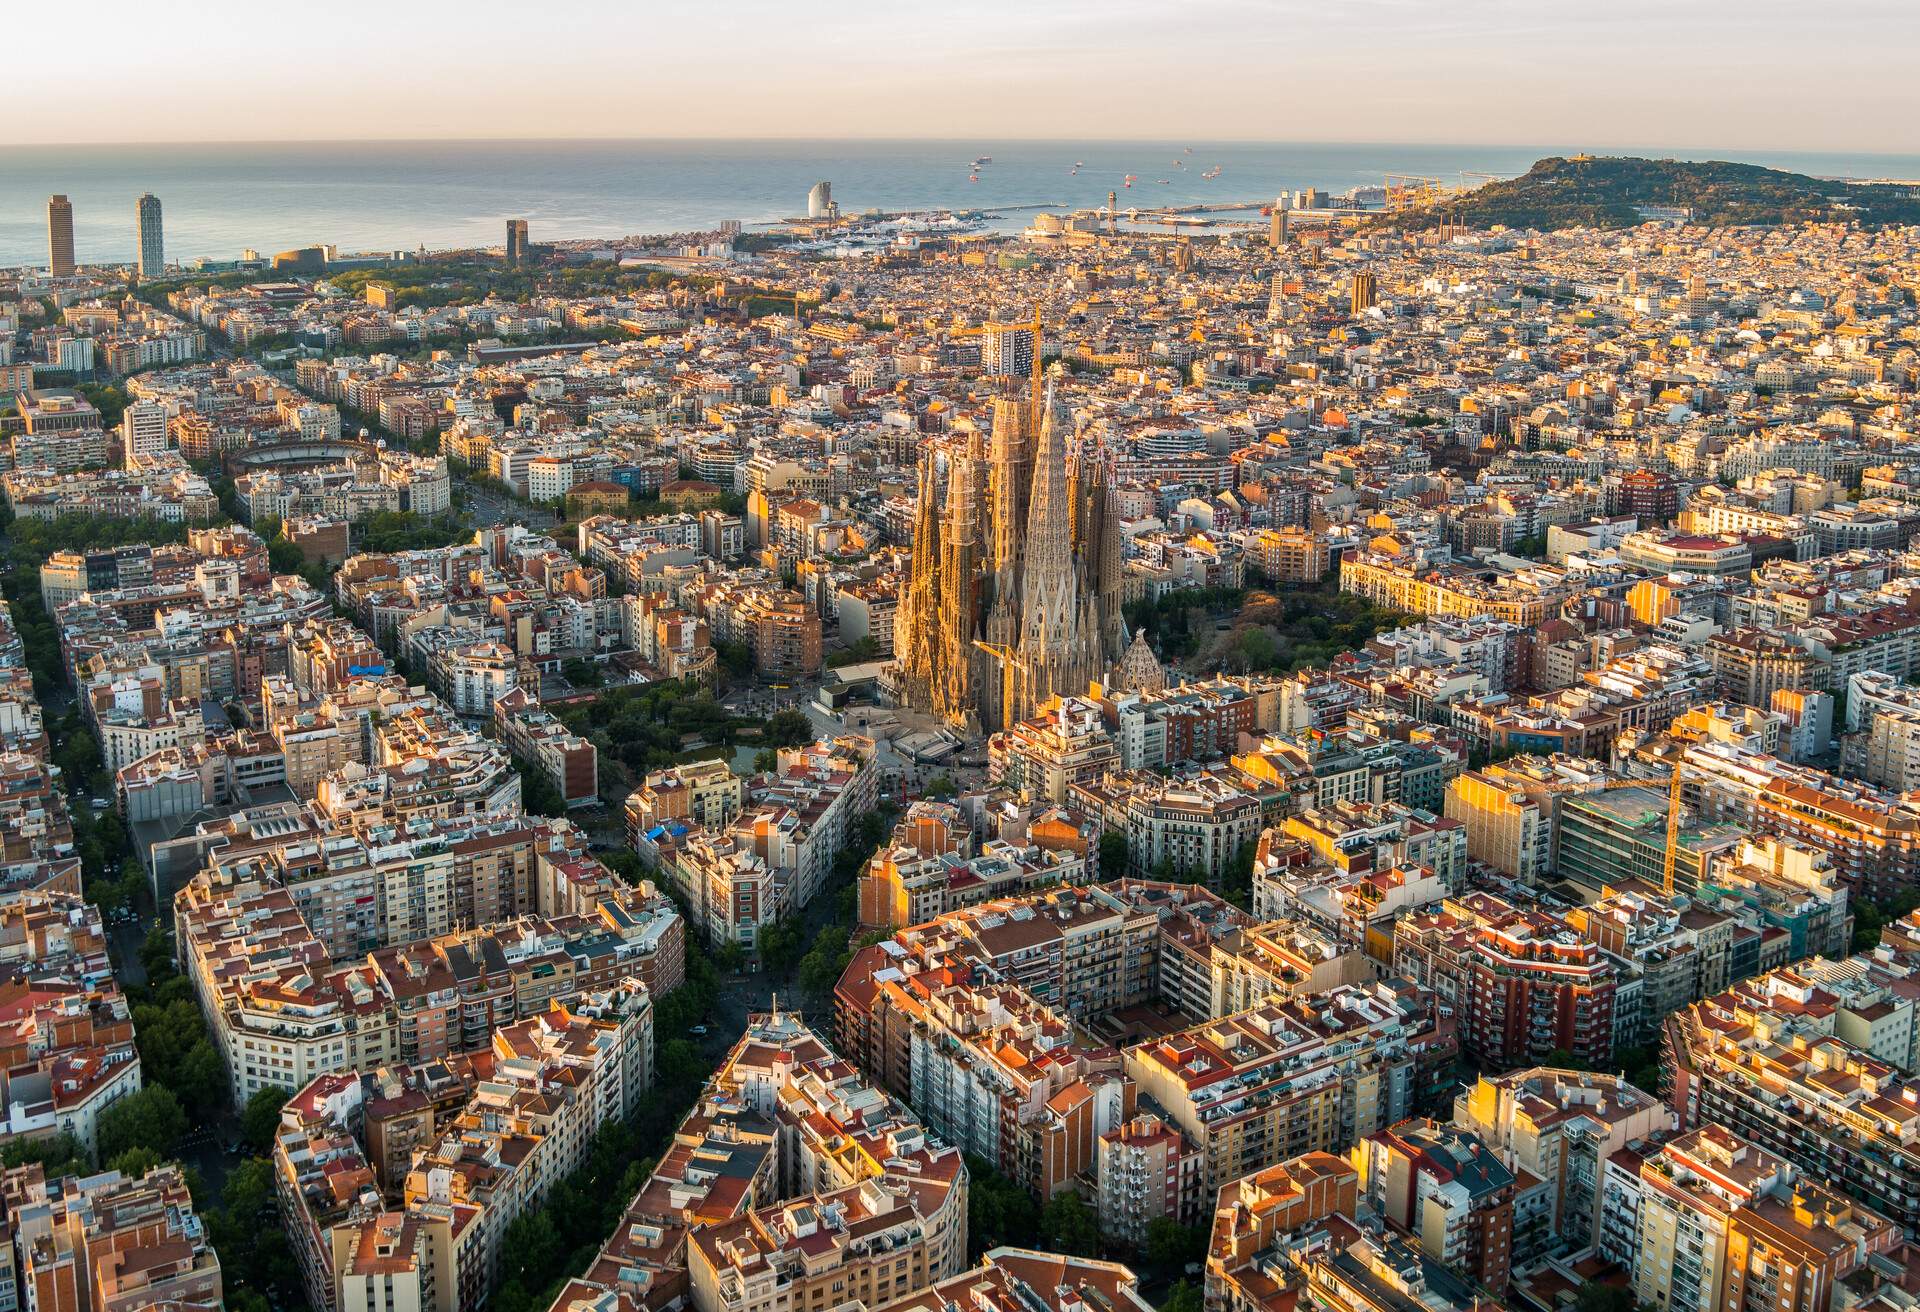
143,430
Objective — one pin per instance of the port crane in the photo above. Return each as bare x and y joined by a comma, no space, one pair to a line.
1404,189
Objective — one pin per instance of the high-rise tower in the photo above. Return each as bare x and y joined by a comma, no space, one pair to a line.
516,243
153,247
59,236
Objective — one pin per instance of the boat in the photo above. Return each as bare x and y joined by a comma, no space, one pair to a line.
973,177
1213,172
1130,179
1163,182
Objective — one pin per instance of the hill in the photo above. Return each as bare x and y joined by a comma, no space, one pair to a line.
1611,191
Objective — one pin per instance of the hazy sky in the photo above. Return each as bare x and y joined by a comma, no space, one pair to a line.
1739,74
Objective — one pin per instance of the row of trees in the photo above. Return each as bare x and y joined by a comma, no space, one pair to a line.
546,1246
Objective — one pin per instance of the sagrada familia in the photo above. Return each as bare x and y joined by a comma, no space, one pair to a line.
1014,591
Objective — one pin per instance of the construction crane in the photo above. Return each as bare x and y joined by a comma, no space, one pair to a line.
1672,855
1003,655
1037,371
1404,189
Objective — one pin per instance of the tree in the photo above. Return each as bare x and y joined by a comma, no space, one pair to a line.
1255,649
999,1212
1170,1244
538,793
58,1154
941,787
175,1050
1069,1226
582,673
789,728
1114,851
781,947
530,1247
135,1162
1236,882
1185,1296
624,863
260,1118
865,649
765,761
149,1119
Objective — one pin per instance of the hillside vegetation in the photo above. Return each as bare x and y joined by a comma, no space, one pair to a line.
1609,192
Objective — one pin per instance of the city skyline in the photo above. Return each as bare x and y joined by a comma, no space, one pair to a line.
1781,77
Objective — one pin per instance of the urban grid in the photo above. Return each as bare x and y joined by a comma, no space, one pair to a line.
1362,755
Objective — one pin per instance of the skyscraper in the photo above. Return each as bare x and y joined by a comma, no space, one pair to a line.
1277,227
1007,349
516,243
820,201
59,236
153,251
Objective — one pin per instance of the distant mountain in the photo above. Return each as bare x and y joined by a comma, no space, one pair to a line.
1621,191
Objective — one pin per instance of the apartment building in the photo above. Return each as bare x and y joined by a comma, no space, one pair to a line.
1765,1061
398,1183
569,762
1067,743
1522,983
1511,811
1446,1189
791,1175
283,1011
1724,1224
932,864
1308,1075
1562,1127
1280,959
1147,1171
106,1241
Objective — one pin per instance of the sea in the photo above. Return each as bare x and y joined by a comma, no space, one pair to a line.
219,199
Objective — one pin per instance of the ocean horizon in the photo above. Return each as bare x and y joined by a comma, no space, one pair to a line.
220,198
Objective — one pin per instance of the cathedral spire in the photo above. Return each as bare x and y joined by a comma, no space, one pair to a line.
920,607
953,682
1054,660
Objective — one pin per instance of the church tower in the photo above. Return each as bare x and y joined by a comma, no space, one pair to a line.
958,617
1053,656
917,624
